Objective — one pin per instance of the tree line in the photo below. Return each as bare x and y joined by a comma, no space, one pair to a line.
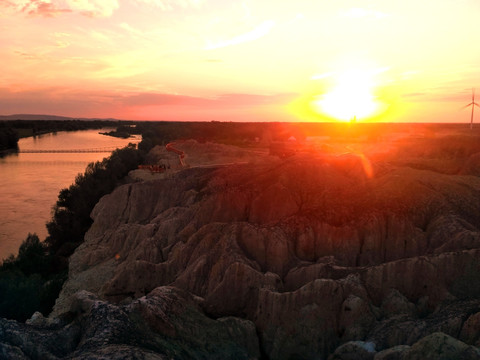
26,128
32,280
8,138
12,130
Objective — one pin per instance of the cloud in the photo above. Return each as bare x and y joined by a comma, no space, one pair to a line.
103,103
61,34
168,5
224,100
254,99
260,31
150,99
44,8
54,100
48,10
441,96
131,30
90,8
99,36
414,95
62,44
26,55
94,8
51,8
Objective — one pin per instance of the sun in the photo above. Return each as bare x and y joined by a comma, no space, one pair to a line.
351,98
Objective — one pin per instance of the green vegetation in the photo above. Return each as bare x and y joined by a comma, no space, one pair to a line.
71,216
32,281
123,131
27,281
12,130
27,128
8,138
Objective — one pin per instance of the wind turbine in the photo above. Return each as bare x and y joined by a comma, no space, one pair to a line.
472,104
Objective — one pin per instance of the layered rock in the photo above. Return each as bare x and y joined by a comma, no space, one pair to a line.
314,251
165,324
437,346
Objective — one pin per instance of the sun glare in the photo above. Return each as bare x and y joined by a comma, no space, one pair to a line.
351,98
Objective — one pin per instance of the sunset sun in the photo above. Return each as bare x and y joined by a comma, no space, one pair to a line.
351,97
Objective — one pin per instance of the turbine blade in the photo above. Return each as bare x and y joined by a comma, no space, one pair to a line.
476,104
466,106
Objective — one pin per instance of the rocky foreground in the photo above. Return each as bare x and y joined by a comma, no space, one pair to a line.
312,257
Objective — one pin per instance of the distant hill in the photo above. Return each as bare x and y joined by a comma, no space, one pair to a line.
45,117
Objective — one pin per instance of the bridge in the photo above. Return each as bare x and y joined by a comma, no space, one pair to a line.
90,150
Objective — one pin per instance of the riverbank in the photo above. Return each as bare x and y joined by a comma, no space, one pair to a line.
8,138
27,128
116,134
30,182
7,152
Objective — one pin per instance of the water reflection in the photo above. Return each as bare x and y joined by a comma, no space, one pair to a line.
30,183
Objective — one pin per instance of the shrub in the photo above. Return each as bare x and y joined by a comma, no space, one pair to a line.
32,281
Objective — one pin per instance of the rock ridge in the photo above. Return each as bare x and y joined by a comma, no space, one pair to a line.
307,257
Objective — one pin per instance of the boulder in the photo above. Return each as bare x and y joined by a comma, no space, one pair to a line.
439,346
354,350
394,303
470,333
406,330
165,324
393,353
356,318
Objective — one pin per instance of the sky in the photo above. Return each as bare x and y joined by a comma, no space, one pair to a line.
262,60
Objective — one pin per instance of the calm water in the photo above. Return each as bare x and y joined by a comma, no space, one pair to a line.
30,183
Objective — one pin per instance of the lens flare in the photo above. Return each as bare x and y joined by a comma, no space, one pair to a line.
351,98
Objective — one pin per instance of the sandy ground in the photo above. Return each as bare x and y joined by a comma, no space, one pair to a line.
197,155
446,152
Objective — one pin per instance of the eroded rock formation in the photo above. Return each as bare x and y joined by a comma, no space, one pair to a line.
165,324
311,252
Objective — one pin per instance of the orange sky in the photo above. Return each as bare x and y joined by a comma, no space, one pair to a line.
259,60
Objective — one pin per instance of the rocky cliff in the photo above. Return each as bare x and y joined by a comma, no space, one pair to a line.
308,257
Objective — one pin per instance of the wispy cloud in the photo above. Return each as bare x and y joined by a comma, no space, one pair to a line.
225,100
151,105
27,55
62,44
98,36
132,31
167,5
61,34
52,8
94,8
90,8
44,8
260,31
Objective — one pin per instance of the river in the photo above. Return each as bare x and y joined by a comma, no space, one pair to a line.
30,182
